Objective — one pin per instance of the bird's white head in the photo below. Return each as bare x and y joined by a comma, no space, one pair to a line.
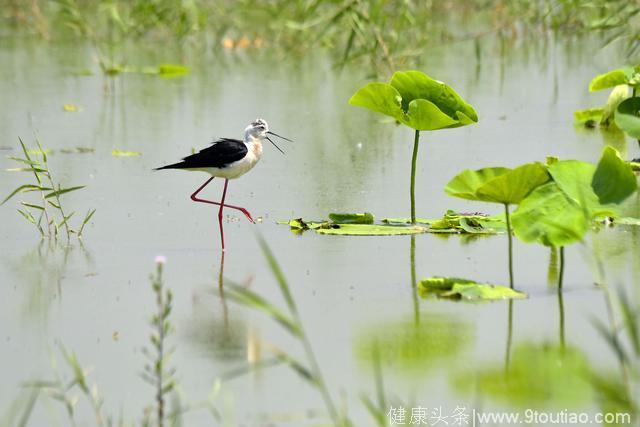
257,129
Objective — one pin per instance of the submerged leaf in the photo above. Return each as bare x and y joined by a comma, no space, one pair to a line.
453,287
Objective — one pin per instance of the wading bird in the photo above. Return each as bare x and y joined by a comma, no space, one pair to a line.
228,158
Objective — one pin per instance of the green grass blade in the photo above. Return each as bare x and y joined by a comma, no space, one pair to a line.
27,215
29,169
277,272
63,191
251,299
24,187
29,205
85,221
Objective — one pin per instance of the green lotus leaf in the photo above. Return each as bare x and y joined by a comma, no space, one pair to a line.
628,116
381,98
613,180
417,85
371,230
574,179
466,183
610,79
498,185
617,95
416,100
425,115
513,186
589,116
549,216
453,287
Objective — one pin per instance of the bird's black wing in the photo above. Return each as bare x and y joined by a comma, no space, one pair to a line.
220,154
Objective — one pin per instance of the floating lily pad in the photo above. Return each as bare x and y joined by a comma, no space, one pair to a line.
71,108
589,117
627,221
302,225
371,230
124,153
456,288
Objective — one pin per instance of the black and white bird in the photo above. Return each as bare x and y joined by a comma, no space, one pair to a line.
228,158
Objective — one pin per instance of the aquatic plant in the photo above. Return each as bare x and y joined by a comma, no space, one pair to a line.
465,289
156,372
419,102
51,216
499,185
622,109
561,211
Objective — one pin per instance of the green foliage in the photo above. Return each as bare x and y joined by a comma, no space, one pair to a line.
550,217
468,290
364,225
416,100
498,185
628,116
621,80
611,79
560,212
51,218
613,180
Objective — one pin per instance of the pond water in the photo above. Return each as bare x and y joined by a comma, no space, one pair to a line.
95,298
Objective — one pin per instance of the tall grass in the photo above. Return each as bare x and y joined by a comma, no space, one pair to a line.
47,212
292,322
383,34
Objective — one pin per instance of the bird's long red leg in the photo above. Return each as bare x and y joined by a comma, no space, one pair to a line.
224,194
196,199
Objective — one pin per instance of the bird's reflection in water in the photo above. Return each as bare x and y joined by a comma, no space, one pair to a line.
218,330
214,330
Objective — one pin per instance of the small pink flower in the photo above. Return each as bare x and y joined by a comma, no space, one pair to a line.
160,259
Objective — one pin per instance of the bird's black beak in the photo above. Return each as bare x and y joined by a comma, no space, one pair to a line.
274,144
275,134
